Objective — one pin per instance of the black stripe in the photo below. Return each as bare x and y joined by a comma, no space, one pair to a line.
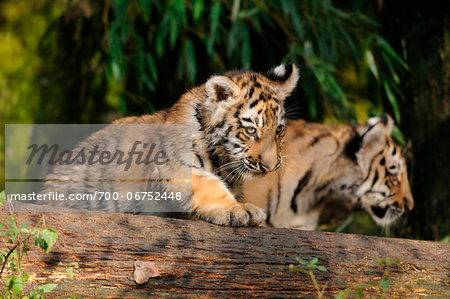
279,194
353,145
238,110
370,166
202,165
301,184
269,211
375,179
252,90
254,103
199,117
221,124
214,159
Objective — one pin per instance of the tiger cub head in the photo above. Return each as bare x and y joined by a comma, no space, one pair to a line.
384,192
246,119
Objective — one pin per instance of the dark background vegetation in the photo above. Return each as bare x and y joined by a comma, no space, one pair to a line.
86,61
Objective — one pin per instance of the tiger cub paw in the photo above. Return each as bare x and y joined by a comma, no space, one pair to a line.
234,215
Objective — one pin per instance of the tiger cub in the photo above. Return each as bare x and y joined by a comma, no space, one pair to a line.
237,131
358,163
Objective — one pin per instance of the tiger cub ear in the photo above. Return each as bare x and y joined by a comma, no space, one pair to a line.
285,78
373,137
221,89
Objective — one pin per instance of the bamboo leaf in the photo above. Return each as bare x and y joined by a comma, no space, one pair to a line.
174,30
197,10
152,67
191,64
392,100
246,51
372,64
388,50
235,10
296,21
214,20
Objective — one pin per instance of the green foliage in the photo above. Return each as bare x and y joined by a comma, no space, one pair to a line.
16,241
308,268
359,290
69,268
317,35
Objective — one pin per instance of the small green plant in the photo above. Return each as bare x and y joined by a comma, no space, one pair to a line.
384,284
16,239
69,268
309,267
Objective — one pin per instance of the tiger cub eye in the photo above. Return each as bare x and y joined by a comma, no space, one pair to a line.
250,131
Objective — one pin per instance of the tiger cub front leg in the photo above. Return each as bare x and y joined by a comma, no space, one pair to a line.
213,202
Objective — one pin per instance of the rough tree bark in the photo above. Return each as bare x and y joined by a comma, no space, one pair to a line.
199,259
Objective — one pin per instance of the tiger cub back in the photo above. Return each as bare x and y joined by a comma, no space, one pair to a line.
361,164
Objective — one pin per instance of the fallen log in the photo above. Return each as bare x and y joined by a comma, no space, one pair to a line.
195,258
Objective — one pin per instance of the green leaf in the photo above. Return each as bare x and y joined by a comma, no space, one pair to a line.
69,272
387,48
246,50
73,264
398,135
115,68
148,83
24,225
235,10
296,21
197,10
248,13
46,238
359,292
47,287
303,262
214,21
314,261
321,268
372,64
385,284
152,66
15,284
122,105
190,60
34,295
2,198
159,44
393,101
174,30
25,276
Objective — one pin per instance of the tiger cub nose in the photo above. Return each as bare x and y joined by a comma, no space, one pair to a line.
265,168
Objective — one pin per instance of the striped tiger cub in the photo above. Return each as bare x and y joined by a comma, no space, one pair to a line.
237,122
358,163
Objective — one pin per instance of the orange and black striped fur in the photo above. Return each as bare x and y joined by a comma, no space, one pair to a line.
359,163
237,131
